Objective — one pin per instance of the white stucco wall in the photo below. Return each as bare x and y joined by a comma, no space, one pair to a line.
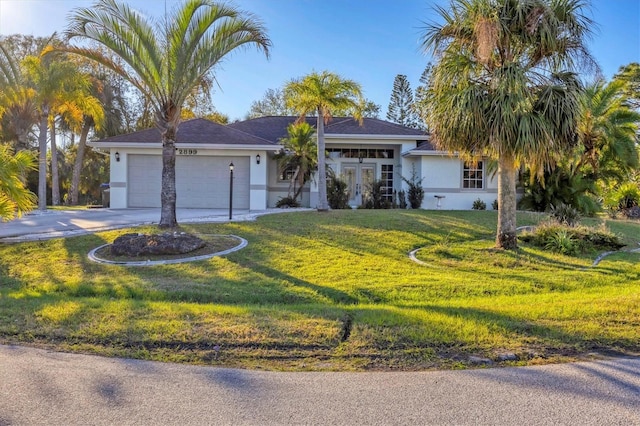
443,177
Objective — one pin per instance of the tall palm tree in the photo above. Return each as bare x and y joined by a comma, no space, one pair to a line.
165,62
15,198
55,84
503,86
300,153
607,131
323,94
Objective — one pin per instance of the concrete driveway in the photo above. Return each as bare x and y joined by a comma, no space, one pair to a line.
59,223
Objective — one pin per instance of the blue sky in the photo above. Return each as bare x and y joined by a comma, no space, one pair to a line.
369,41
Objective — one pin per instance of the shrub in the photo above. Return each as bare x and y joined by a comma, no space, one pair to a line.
571,240
337,195
415,192
565,214
402,200
287,202
494,205
375,197
478,204
562,242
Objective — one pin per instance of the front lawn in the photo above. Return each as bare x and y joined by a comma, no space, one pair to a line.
330,291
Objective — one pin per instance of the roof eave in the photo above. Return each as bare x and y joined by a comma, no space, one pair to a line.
153,145
374,137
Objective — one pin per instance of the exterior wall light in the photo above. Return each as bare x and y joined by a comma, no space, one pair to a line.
258,159
117,155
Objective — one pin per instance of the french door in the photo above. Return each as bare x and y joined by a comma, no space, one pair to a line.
359,178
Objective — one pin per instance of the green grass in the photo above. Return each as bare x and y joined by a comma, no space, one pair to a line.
330,291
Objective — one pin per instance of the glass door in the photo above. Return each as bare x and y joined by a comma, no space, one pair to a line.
359,178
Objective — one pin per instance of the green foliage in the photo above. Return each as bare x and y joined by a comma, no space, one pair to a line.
571,240
402,200
627,195
562,242
559,186
375,196
287,202
337,194
565,214
415,192
15,198
478,204
401,109
494,205
299,153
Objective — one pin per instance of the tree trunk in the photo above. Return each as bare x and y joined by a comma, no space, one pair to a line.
77,166
42,159
506,234
55,180
323,204
168,192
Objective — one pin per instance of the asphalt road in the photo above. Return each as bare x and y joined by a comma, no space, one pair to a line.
41,387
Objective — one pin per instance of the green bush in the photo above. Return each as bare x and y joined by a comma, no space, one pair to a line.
494,205
415,192
402,200
337,195
478,204
571,240
376,198
565,214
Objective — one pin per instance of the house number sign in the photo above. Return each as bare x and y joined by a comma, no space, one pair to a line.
183,151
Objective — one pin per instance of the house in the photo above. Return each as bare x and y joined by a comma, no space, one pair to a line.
360,154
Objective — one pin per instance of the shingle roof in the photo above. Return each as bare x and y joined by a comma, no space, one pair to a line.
273,128
196,131
267,131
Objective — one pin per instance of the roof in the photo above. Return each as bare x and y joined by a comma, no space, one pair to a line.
196,131
274,128
267,131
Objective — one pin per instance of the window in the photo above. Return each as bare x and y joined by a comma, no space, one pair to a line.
473,175
387,178
287,173
360,153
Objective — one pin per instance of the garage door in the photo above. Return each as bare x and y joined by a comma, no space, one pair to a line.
201,182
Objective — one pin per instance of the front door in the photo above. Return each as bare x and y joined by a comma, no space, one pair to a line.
359,178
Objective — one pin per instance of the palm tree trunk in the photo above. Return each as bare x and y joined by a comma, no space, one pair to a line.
506,234
42,160
323,204
77,166
55,180
168,193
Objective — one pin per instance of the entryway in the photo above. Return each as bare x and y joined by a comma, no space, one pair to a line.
359,178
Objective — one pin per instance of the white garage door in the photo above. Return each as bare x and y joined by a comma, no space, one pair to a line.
201,182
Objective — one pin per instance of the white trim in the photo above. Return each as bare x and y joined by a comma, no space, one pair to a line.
421,153
154,145
375,137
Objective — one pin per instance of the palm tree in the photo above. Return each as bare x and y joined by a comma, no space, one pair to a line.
55,84
16,101
323,94
607,131
165,62
15,198
503,86
300,153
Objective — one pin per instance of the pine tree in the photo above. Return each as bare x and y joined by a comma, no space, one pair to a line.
400,109
419,105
